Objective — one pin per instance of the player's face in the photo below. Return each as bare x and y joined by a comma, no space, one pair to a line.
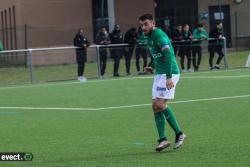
147,25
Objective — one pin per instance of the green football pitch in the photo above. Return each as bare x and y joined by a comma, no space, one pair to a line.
110,122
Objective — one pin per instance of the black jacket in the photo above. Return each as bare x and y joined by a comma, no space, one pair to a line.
102,37
176,35
215,44
79,41
131,36
116,37
215,33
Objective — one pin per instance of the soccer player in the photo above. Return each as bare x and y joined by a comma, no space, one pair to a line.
165,80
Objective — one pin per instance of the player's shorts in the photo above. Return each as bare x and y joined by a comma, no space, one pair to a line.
159,89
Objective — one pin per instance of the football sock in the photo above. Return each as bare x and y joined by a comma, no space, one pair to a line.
169,114
160,124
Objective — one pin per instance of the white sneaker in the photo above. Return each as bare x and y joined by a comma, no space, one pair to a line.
179,141
184,71
82,79
162,145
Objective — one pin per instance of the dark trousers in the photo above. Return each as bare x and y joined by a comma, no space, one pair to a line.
81,58
116,54
216,49
103,60
80,69
196,50
128,56
185,51
176,50
141,52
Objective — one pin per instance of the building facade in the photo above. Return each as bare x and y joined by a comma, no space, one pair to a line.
50,23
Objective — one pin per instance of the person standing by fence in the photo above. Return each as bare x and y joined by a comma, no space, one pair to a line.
185,49
216,45
102,38
81,42
199,34
131,39
116,37
141,50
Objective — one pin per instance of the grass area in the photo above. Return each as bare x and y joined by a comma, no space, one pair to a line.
217,130
21,75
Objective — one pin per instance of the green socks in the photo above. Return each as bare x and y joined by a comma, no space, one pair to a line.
160,124
169,114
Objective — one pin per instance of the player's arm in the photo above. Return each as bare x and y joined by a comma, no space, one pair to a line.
164,44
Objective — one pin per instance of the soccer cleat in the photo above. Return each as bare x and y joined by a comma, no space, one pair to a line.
162,145
179,140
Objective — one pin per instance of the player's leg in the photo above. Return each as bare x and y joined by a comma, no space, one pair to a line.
169,114
158,106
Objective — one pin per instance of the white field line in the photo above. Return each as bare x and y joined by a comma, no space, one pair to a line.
119,79
120,107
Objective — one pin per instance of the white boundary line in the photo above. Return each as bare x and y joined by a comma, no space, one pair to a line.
120,107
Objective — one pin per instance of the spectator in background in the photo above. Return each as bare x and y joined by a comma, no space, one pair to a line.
185,50
141,51
216,45
199,34
176,38
116,37
102,38
82,43
168,31
1,46
131,39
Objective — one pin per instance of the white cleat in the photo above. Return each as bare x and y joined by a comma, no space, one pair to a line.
179,141
162,145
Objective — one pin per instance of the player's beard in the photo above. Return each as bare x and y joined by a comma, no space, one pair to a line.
149,32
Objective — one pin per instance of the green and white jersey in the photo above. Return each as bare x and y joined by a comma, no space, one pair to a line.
164,62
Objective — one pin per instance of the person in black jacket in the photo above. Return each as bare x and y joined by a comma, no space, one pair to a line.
185,49
131,39
176,38
102,38
82,43
116,37
216,45
141,51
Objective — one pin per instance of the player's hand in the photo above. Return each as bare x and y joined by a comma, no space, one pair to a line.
148,70
169,84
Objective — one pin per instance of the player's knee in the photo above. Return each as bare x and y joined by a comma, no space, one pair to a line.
157,107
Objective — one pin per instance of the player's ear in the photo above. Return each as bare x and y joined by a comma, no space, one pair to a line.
153,23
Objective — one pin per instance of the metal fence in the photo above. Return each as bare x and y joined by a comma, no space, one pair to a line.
59,63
